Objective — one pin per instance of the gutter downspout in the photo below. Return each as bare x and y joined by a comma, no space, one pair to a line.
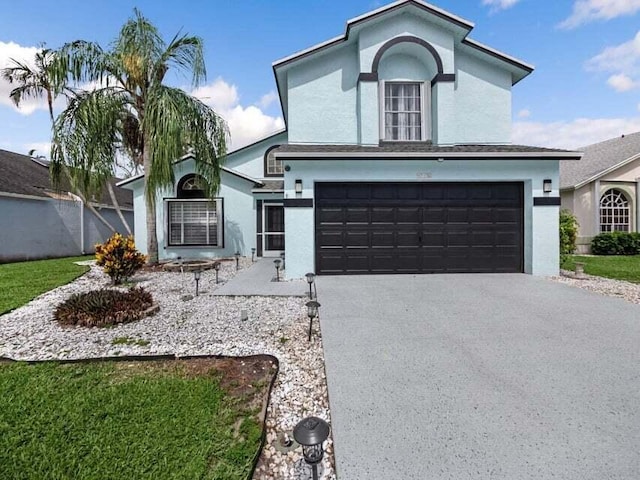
78,199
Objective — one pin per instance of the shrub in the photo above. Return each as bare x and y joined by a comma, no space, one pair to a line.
616,243
100,308
119,258
568,232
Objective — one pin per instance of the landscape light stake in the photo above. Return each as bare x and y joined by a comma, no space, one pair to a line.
311,277
277,261
253,255
196,277
216,267
282,258
312,312
311,433
237,255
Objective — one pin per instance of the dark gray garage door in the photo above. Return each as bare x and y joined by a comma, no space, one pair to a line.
366,228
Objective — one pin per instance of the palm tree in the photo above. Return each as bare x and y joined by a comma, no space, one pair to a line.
43,80
134,112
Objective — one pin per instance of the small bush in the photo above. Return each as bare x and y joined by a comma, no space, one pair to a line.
616,243
568,232
101,308
119,258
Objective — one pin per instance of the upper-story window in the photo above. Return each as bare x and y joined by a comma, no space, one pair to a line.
403,116
273,167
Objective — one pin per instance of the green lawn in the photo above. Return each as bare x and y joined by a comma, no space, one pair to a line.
611,266
23,281
121,420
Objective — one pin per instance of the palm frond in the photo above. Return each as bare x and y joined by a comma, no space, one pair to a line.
173,121
185,53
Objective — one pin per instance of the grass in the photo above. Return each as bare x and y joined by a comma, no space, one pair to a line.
130,341
121,420
610,266
21,282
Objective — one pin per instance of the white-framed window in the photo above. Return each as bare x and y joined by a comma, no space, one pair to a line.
274,167
195,222
403,112
615,212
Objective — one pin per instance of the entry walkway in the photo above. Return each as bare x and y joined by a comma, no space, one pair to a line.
480,377
259,280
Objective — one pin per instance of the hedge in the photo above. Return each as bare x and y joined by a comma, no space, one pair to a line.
616,243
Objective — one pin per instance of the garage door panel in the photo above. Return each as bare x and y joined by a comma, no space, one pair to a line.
419,227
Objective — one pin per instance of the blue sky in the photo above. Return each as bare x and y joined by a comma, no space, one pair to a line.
584,89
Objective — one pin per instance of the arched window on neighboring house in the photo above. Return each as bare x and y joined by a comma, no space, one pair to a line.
615,212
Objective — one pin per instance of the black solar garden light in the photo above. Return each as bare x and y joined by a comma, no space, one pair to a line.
253,255
311,433
282,258
312,312
237,255
311,277
196,277
277,261
216,267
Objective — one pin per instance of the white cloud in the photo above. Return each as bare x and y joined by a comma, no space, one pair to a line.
585,11
572,134
499,4
246,124
22,54
524,113
267,99
623,61
621,82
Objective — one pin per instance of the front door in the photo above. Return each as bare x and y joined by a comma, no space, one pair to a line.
273,230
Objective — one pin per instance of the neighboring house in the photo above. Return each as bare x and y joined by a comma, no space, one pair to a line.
396,159
39,221
602,189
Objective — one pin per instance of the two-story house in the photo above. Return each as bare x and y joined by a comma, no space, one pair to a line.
396,158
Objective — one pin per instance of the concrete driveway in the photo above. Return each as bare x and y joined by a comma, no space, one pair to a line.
480,376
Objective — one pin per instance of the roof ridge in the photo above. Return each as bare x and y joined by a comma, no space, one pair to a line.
611,140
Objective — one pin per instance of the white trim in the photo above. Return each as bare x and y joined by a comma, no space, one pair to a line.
28,197
71,199
475,43
607,171
436,155
189,155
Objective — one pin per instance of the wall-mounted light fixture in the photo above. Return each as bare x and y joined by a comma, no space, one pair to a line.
298,185
546,185
287,168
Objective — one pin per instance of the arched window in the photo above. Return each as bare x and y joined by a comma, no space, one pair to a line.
614,212
191,186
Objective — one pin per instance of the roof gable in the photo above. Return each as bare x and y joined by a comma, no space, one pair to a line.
599,159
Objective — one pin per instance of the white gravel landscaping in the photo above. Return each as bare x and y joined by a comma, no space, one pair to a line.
604,286
204,325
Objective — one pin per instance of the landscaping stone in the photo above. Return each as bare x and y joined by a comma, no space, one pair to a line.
205,325
604,286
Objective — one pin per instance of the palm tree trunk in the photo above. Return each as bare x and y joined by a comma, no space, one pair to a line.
93,210
115,203
152,236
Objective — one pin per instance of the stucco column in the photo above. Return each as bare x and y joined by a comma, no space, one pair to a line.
443,125
368,113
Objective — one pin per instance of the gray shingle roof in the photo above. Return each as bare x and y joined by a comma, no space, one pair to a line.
598,158
271,185
20,174
415,147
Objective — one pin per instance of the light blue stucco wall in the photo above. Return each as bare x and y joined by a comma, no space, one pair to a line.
482,102
239,218
322,96
327,103
46,228
250,160
541,230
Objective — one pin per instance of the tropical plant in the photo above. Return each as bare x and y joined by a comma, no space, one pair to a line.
100,308
568,232
133,111
44,79
119,258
